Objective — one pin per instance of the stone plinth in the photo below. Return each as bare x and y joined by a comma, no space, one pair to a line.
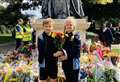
81,26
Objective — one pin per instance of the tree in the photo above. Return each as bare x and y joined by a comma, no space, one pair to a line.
9,15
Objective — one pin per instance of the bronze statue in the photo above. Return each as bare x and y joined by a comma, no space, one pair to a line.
62,8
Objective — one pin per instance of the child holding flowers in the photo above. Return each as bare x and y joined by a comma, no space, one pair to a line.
47,46
71,47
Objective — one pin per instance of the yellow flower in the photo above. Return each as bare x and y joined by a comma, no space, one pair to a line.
84,59
106,55
66,35
62,35
53,34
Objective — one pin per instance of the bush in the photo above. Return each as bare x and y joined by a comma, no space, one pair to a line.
3,29
5,39
8,31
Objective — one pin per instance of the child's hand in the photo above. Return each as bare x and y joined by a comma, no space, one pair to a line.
58,54
61,58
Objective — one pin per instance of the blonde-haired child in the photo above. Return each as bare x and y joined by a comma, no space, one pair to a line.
71,45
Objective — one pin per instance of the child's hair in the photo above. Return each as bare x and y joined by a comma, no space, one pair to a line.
72,19
47,21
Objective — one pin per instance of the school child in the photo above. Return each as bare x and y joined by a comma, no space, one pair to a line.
71,45
46,48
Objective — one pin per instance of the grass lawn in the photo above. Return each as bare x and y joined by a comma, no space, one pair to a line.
116,50
5,38
5,34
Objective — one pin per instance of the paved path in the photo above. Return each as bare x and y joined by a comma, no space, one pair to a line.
4,48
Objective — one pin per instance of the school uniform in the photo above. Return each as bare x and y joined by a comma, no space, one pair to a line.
47,62
71,66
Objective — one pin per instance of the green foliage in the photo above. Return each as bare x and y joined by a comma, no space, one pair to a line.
12,1
114,21
8,17
2,8
6,29
109,75
5,39
2,29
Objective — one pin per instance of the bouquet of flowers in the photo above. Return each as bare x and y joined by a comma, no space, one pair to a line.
59,40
